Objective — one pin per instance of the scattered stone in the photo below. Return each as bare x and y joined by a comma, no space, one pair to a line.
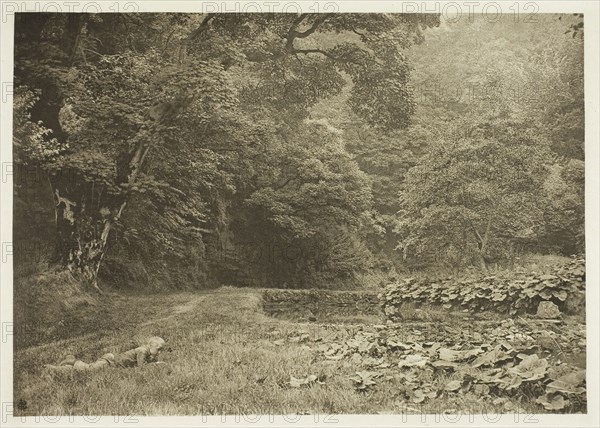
547,309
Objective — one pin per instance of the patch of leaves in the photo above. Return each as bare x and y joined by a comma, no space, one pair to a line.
513,293
505,362
364,380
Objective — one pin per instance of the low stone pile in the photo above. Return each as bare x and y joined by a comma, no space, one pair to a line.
314,303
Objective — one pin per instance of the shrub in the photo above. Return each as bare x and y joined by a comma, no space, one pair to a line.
508,293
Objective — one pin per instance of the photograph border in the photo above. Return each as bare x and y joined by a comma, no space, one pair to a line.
591,10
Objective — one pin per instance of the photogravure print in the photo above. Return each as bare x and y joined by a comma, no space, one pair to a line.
285,212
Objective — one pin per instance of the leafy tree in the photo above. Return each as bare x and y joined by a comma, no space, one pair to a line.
301,193
564,211
558,105
473,197
147,121
490,183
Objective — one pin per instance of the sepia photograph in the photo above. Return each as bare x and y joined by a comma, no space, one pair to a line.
305,211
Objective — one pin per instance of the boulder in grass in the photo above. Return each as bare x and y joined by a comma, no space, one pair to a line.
547,310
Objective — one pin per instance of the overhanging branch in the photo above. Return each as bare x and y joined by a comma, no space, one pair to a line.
293,33
201,28
313,51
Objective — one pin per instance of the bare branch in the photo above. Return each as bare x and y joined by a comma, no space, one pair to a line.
313,51
333,57
299,20
477,235
201,28
303,34
293,33
487,234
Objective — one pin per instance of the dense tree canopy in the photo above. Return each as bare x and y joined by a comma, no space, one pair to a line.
503,120
299,150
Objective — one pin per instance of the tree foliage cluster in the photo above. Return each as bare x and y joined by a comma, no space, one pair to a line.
519,293
491,165
295,150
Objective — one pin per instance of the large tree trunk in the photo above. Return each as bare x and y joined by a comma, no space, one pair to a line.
83,222
482,242
85,215
482,263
